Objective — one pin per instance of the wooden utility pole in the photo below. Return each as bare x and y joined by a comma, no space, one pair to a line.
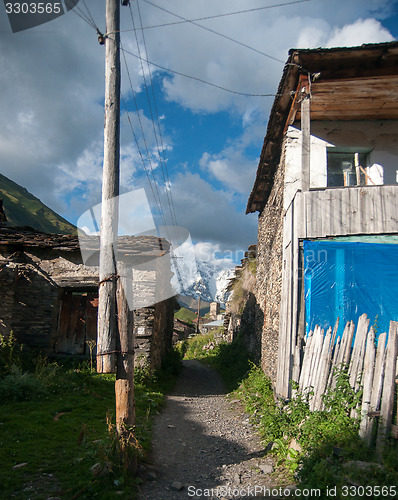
107,319
305,135
115,349
197,326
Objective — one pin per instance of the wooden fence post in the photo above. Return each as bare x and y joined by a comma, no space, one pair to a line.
367,381
387,399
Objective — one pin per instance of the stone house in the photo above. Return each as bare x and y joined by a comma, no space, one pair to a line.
49,298
327,174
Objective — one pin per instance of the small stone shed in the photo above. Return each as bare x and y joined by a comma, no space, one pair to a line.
49,298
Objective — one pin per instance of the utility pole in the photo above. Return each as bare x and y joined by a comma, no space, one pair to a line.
115,320
197,326
107,313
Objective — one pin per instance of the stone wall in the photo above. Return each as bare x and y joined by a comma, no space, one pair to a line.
34,286
153,331
242,308
29,303
269,273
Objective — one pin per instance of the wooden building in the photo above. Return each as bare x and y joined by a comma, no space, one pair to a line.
328,170
49,298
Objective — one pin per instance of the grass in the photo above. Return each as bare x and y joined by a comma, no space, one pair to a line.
328,438
186,315
231,360
60,431
24,209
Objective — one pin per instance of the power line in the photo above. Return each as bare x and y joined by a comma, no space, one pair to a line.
221,15
78,11
155,188
150,108
196,78
216,32
161,149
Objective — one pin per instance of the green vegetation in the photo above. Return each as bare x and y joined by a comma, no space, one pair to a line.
243,286
328,439
311,448
57,423
230,360
24,209
185,315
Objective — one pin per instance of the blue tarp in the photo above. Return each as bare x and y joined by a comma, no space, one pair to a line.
346,279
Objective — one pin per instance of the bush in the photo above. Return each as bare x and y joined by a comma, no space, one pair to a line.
328,437
231,360
194,346
21,386
10,353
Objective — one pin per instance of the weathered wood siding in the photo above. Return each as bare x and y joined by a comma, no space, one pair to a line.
349,211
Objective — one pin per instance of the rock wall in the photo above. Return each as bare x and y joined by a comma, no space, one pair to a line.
242,308
153,331
39,291
28,306
269,273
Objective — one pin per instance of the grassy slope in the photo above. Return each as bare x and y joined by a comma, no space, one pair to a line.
55,438
185,315
24,209
192,304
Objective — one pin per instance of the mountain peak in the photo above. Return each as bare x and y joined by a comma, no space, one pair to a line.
210,283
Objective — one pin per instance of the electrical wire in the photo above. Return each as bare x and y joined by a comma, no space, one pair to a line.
155,190
161,148
78,11
198,79
222,15
216,32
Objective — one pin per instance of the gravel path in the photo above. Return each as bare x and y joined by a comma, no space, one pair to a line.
203,440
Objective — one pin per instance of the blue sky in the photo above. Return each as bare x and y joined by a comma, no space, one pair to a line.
52,82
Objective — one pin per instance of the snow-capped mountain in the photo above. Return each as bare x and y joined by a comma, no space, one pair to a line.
210,283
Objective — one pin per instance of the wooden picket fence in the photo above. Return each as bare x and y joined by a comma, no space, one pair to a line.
370,366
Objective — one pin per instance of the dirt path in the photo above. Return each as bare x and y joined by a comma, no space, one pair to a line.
204,441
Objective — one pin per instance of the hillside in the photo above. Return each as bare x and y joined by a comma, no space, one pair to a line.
24,209
192,304
185,315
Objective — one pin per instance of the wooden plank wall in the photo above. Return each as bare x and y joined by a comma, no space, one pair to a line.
369,367
348,211
323,213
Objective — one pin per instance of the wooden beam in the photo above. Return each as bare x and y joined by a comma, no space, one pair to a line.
387,399
306,136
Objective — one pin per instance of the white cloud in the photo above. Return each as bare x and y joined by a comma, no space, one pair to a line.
362,31
231,168
321,34
209,216
52,83
217,257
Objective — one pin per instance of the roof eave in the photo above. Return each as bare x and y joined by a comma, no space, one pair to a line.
272,146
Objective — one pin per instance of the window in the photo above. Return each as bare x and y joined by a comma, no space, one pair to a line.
346,168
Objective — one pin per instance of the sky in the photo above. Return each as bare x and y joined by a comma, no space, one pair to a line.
198,143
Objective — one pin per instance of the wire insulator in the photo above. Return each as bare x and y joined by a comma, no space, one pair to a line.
101,38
